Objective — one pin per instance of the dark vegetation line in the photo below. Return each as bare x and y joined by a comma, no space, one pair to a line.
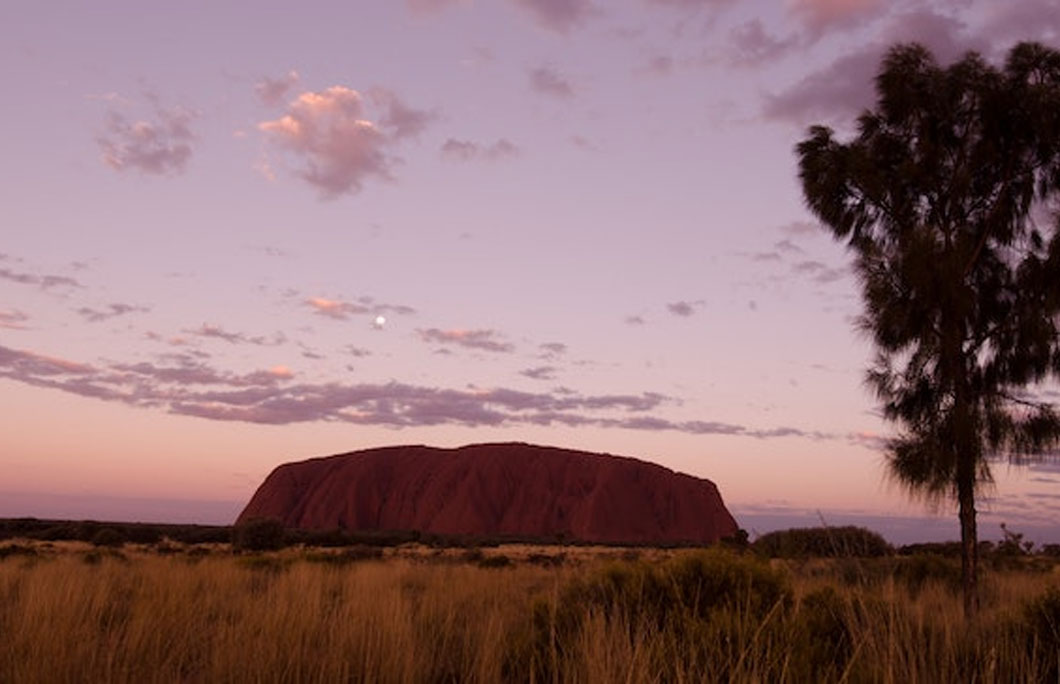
268,534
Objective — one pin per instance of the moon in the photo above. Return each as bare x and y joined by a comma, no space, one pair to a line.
380,321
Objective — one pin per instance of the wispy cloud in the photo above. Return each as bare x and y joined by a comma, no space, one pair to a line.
820,16
683,308
273,91
540,373
342,310
559,15
658,65
218,333
750,44
486,340
189,387
13,319
840,90
552,350
110,311
44,282
429,6
466,150
397,117
157,145
712,5
548,81
819,272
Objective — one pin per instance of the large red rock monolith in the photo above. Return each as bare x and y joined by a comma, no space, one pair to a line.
495,490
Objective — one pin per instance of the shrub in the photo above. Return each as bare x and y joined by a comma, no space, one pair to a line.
919,569
349,555
1041,625
822,542
824,638
547,560
109,537
258,534
682,597
1050,550
473,555
497,561
16,550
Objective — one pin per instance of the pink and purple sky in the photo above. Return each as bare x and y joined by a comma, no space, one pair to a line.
236,235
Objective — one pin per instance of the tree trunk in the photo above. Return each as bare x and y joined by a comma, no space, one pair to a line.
969,536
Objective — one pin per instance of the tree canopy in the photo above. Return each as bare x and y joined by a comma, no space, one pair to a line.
949,198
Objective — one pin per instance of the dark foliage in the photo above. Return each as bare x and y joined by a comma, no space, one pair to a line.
108,536
259,534
1041,627
822,542
940,196
681,595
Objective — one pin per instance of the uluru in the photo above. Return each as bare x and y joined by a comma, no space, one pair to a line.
509,490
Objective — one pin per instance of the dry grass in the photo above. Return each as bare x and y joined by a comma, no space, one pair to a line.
69,614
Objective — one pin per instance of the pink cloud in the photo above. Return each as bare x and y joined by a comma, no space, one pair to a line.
194,389
219,333
683,308
44,282
13,319
846,86
272,91
540,373
340,147
694,4
559,15
429,6
751,45
111,311
548,81
403,121
659,65
159,146
281,372
465,150
342,310
30,363
820,16
335,309
472,339
552,350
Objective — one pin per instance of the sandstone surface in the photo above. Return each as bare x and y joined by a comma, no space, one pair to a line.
495,490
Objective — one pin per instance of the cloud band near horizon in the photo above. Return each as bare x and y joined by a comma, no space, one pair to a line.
270,397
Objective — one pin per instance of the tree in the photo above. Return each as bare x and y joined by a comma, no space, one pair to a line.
948,196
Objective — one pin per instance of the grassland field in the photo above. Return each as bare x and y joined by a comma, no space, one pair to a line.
71,611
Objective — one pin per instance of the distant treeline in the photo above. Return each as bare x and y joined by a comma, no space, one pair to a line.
265,534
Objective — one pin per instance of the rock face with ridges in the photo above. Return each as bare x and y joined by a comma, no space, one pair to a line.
511,490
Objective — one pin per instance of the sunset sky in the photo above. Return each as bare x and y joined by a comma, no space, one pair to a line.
239,234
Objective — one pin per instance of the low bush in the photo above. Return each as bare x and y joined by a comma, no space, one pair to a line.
109,537
17,550
496,561
823,542
349,555
258,534
547,559
923,568
1041,628
689,598
822,637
